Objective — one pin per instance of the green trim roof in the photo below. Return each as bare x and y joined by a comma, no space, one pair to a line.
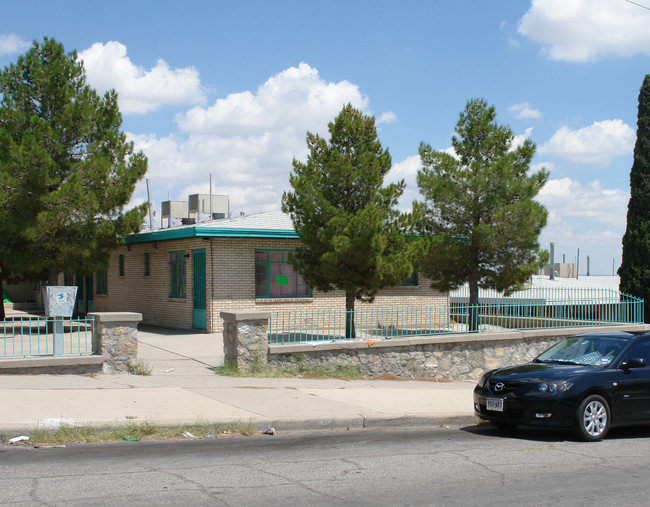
271,224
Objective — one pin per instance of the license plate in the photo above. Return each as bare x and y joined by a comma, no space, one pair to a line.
494,404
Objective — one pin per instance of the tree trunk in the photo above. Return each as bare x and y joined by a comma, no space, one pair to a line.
2,304
350,331
473,308
52,281
52,276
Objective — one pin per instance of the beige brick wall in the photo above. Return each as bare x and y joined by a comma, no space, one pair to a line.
230,284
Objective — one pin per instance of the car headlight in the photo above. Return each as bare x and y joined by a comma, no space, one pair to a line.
482,380
554,387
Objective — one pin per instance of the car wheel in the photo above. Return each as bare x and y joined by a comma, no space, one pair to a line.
592,418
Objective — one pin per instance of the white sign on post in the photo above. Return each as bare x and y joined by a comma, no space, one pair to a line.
59,303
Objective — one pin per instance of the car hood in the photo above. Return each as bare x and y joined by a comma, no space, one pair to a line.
535,372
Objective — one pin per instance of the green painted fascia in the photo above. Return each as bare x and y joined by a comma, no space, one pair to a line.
209,232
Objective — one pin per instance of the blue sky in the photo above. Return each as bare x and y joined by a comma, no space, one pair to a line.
231,88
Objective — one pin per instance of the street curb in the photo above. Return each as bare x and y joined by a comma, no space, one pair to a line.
287,425
369,423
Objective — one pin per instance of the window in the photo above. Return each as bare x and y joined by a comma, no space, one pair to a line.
147,272
177,265
122,265
102,281
410,280
275,278
642,350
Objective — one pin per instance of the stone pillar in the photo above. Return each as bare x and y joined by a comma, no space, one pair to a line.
116,339
246,338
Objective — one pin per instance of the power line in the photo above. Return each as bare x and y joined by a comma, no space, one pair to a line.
639,5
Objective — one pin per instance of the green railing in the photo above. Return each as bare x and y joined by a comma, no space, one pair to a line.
37,336
546,309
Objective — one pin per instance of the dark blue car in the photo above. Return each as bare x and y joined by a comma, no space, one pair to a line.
588,383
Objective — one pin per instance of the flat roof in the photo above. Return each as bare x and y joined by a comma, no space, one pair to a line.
270,224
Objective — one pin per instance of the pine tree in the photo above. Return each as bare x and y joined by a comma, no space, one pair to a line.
352,232
478,208
635,265
66,169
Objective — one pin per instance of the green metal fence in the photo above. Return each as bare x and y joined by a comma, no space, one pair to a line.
37,336
533,309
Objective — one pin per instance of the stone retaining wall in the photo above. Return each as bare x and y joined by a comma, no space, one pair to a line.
448,357
245,339
115,342
116,339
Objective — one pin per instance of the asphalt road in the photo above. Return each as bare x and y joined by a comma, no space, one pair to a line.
453,466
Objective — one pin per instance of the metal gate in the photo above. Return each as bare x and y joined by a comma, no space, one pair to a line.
198,289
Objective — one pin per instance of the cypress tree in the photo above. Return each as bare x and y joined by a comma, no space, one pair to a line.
635,265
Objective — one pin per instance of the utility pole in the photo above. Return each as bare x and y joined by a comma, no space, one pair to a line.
211,216
149,201
552,261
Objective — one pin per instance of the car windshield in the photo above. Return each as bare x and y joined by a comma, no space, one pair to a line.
591,350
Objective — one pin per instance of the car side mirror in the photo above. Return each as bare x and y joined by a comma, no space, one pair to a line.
634,362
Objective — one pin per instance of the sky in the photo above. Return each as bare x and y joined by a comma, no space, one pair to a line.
228,90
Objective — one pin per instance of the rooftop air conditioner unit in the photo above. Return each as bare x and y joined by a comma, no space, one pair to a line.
173,210
199,204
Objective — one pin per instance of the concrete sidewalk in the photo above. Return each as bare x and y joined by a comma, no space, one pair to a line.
183,389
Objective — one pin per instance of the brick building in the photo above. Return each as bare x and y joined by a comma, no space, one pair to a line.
184,276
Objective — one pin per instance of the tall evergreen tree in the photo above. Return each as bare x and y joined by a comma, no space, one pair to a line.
635,265
66,169
478,208
352,232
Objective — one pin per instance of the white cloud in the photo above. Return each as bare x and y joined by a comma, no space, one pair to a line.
387,117
407,169
294,99
140,90
586,30
570,200
538,166
11,43
525,111
247,140
594,145
586,217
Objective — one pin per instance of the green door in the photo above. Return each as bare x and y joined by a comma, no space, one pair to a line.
80,295
198,289
90,297
84,294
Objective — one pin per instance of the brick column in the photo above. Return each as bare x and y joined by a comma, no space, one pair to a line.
245,338
116,339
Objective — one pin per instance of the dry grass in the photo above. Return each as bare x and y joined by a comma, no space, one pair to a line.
133,432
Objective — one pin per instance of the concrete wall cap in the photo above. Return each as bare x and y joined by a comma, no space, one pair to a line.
393,342
293,348
43,362
110,317
245,315
571,331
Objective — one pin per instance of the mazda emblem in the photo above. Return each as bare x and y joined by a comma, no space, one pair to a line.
499,387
